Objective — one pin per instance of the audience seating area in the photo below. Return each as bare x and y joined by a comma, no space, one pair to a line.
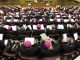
35,33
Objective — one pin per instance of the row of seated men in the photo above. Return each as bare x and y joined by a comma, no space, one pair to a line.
37,29
44,46
64,14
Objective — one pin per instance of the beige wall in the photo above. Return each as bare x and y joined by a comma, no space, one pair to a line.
78,0
54,1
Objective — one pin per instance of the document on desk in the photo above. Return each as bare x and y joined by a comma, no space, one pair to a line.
1,36
31,39
78,58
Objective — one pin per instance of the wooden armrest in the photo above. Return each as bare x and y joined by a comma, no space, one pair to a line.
29,57
9,54
78,49
51,58
69,53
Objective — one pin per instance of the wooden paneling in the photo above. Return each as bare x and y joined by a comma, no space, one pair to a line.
40,5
